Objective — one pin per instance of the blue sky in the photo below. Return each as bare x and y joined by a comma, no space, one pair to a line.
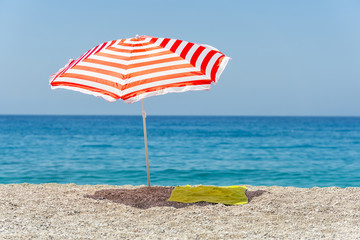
288,57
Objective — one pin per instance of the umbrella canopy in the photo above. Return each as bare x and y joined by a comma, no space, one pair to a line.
136,68
140,67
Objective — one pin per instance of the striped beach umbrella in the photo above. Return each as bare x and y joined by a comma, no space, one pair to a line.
136,68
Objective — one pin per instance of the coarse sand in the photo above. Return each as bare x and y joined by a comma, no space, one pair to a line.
70,211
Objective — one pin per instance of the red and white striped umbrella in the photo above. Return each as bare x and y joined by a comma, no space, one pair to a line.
136,68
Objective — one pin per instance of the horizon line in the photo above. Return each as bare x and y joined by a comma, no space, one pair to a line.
173,115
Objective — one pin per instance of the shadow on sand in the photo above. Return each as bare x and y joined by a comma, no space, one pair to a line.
146,197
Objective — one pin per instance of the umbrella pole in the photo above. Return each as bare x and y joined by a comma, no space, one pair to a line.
145,140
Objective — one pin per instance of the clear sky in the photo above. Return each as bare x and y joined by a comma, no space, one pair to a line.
288,57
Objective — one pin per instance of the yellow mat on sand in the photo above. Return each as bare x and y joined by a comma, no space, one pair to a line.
230,195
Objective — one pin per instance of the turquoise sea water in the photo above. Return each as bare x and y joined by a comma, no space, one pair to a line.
285,151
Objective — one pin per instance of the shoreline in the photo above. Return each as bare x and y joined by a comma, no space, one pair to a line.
60,211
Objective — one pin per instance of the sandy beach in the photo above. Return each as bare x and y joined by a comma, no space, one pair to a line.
60,211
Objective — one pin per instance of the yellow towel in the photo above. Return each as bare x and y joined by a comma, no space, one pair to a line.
230,195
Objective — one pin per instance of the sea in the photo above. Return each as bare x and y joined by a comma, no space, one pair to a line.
209,150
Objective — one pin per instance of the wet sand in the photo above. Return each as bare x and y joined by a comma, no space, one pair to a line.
60,211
